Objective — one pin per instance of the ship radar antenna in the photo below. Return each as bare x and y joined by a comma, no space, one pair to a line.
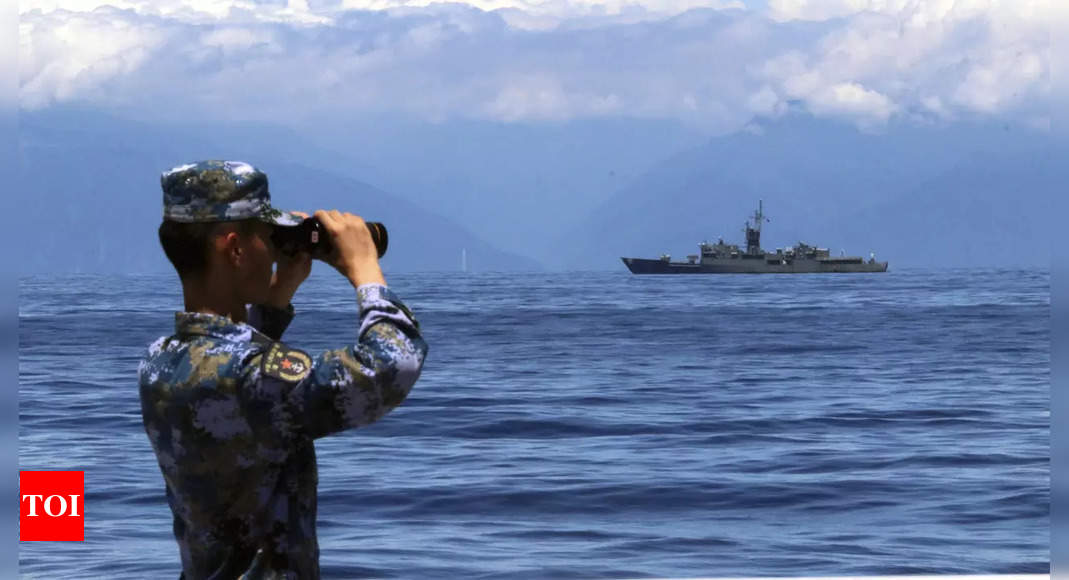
753,234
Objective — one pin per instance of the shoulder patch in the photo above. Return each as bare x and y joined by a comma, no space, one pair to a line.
283,362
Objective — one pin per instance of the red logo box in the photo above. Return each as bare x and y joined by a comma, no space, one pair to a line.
51,506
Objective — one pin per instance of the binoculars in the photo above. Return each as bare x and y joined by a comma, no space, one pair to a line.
310,236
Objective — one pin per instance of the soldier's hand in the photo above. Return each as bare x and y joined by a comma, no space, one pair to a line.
354,254
290,272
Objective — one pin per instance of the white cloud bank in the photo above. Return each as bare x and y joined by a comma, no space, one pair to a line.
866,61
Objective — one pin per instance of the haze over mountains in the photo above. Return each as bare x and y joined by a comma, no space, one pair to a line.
569,195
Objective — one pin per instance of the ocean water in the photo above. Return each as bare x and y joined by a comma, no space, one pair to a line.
602,425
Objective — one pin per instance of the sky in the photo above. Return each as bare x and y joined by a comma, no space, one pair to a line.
713,64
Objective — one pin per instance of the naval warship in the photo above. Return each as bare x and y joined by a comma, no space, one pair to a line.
721,258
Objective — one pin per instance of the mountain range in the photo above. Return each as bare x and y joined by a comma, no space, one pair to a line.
563,196
91,201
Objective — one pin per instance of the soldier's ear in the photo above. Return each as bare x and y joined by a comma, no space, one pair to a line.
230,245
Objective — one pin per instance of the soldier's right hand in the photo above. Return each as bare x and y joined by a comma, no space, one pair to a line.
353,254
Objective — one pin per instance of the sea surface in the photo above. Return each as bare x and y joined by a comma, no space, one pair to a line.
604,425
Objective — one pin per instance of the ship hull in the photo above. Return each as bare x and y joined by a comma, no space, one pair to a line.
752,266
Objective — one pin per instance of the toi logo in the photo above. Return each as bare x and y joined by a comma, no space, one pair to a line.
51,506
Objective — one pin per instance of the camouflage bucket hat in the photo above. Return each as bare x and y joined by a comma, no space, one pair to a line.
219,191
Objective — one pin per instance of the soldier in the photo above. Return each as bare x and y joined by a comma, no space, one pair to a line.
230,410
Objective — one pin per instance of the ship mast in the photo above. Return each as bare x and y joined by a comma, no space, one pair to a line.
753,234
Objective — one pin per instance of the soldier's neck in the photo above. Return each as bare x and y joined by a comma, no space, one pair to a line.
207,298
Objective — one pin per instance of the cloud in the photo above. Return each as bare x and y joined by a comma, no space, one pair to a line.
943,58
235,39
65,58
543,98
854,101
9,88
926,10
542,13
766,103
866,61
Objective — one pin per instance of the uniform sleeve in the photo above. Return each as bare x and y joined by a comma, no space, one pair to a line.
270,321
356,385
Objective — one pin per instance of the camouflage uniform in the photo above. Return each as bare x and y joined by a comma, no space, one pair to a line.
232,412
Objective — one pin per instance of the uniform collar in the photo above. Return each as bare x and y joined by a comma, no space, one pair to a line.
213,325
